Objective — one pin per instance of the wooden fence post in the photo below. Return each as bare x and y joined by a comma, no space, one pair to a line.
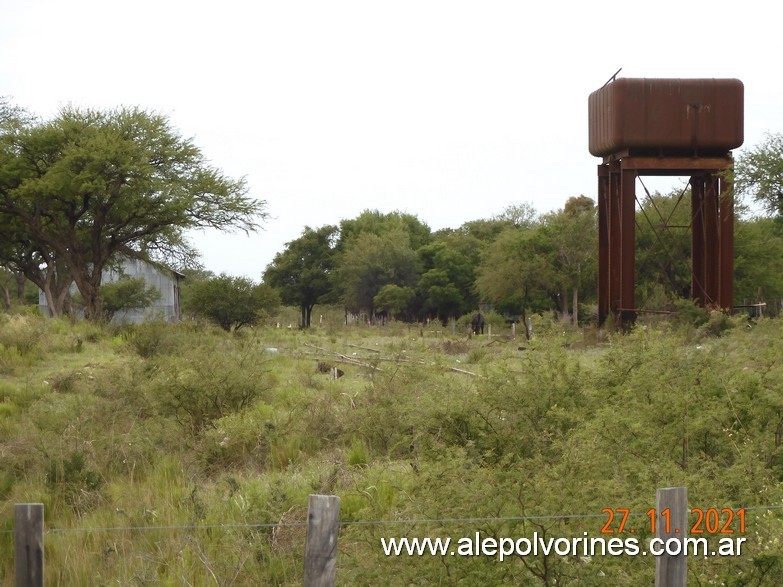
671,570
323,520
28,540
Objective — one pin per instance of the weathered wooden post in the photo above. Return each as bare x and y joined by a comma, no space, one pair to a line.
323,520
671,523
28,538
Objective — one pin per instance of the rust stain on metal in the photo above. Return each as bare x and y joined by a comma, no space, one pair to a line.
677,117
670,127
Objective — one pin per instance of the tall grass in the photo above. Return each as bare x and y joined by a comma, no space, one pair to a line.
179,454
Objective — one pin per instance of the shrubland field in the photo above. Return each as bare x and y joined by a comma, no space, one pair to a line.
182,455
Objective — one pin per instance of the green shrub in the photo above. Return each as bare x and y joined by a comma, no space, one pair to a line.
64,382
688,312
7,409
125,294
27,334
239,440
231,302
71,479
358,455
88,331
10,359
477,355
151,339
206,384
718,323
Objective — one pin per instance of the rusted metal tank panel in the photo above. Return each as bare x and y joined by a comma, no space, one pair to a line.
666,116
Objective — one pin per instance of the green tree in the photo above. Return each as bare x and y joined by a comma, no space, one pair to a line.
125,294
393,299
440,296
522,215
20,252
663,246
758,173
193,276
371,262
380,224
758,260
449,271
88,185
37,262
516,271
231,302
573,237
7,283
302,272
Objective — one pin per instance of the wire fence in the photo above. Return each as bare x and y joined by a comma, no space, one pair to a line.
343,524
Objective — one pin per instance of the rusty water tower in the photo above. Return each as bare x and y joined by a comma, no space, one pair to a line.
665,127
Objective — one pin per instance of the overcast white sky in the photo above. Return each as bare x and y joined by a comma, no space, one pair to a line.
444,109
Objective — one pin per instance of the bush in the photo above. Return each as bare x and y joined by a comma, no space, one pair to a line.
688,312
125,294
231,302
74,481
358,455
27,334
206,385
239,440
152,339
718,323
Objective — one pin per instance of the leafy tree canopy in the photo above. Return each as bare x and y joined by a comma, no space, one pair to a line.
380,224
89,185
373,261
515,272
758,260
393,299
231,302
449,265
127,293
301,273
573,242
663,246
759,173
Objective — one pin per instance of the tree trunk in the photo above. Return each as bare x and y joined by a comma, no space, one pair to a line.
575,304
524,321
21,280
51,300
6,298
93,308
55,287
54,278
90,291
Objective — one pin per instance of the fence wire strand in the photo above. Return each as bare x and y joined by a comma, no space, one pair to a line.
554,517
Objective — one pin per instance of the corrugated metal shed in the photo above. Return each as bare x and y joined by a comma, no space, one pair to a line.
165,280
